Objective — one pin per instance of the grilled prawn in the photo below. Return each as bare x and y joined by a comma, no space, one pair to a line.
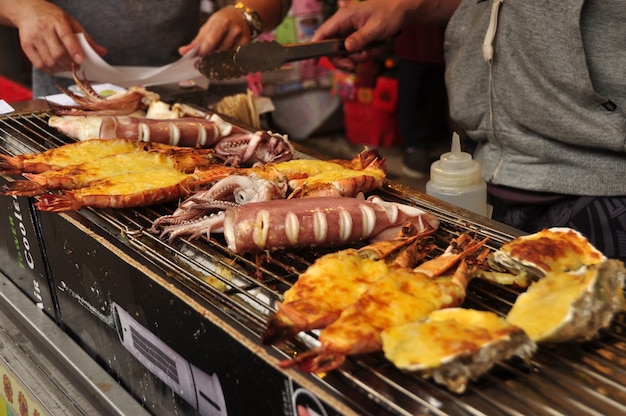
86,151
130,190
69,154
309,178
400,296
81,175
336,280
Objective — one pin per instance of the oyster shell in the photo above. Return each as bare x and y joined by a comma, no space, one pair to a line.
552,249
455,345
571,305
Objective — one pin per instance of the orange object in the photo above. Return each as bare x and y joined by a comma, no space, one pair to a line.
364,95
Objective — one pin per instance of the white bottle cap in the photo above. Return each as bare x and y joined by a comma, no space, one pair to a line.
456,171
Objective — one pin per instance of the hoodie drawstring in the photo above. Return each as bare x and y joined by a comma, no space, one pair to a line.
488,57
491,31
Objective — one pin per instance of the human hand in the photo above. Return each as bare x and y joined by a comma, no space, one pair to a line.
225,29
48,37
361,24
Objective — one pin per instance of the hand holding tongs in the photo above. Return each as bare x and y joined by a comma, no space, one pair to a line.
264,56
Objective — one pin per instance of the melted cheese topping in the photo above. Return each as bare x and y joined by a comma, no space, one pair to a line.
444,335
547,305
109,166
553,249
342,175
308,167
337,279
135,183
399,297
81,152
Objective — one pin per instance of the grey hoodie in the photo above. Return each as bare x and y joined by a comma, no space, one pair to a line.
548,105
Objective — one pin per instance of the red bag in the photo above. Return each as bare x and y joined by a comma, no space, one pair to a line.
386,94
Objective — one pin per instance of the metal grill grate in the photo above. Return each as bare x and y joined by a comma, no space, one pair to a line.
584,378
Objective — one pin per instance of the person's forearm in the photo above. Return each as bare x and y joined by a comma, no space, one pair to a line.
10,11
423,11
433,11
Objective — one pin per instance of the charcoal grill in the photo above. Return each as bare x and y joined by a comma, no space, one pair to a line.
587,378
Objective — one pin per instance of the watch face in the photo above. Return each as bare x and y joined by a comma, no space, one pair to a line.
252,18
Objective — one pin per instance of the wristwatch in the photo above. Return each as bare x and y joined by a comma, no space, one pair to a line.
252,18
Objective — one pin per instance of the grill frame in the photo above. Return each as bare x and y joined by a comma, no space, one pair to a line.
574,378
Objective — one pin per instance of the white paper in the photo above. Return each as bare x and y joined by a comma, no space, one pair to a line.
5,107
98,70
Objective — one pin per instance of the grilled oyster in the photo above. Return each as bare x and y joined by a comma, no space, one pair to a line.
455,345
551,249
571,305
576,290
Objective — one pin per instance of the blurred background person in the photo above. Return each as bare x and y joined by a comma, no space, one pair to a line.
422,101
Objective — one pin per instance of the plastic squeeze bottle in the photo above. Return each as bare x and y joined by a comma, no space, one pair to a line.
457,178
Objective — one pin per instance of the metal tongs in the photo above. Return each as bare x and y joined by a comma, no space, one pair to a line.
264,56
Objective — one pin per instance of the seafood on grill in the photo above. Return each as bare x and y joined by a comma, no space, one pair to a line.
81,175
254,148
130,190
185,131
298,172
399,297
139,114
146,173
343,182
66,155
309,178
304,222
88,126
234,145
321,221
532,256
336,280
525,259
340,183
455,345
93,103
197,216
270,181
572,305
574,289
77,127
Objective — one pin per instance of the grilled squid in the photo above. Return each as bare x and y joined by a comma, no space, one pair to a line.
185,131
317,221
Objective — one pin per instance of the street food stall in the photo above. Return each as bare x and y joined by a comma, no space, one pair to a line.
177,324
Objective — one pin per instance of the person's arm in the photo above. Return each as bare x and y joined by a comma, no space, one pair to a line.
228,28
47,34
362,23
